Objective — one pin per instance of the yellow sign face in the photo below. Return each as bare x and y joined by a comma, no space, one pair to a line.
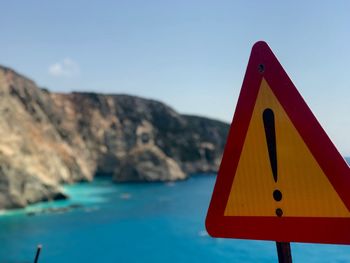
300,188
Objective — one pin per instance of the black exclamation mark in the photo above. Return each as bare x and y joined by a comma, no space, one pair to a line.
269,125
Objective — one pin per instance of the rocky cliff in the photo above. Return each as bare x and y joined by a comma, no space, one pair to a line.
49,138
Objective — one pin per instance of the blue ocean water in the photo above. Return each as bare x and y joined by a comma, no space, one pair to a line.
160,222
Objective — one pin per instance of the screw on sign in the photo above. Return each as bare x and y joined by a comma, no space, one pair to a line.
280,178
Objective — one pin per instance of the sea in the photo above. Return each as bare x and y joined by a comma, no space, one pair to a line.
134,223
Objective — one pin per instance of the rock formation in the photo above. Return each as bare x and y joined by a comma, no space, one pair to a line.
51,138
146,161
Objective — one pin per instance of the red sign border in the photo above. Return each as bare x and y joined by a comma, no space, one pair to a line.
283,229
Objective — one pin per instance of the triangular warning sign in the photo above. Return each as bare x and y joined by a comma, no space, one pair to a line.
281,178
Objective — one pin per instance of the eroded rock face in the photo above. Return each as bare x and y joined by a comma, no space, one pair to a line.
49,138
146,161
19,188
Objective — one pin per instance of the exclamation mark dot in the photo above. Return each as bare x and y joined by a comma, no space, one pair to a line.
270,133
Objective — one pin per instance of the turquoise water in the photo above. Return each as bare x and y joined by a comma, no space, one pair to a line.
105,222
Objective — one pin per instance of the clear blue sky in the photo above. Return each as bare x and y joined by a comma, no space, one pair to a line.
189,54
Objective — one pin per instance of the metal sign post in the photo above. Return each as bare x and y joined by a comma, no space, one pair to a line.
284,252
